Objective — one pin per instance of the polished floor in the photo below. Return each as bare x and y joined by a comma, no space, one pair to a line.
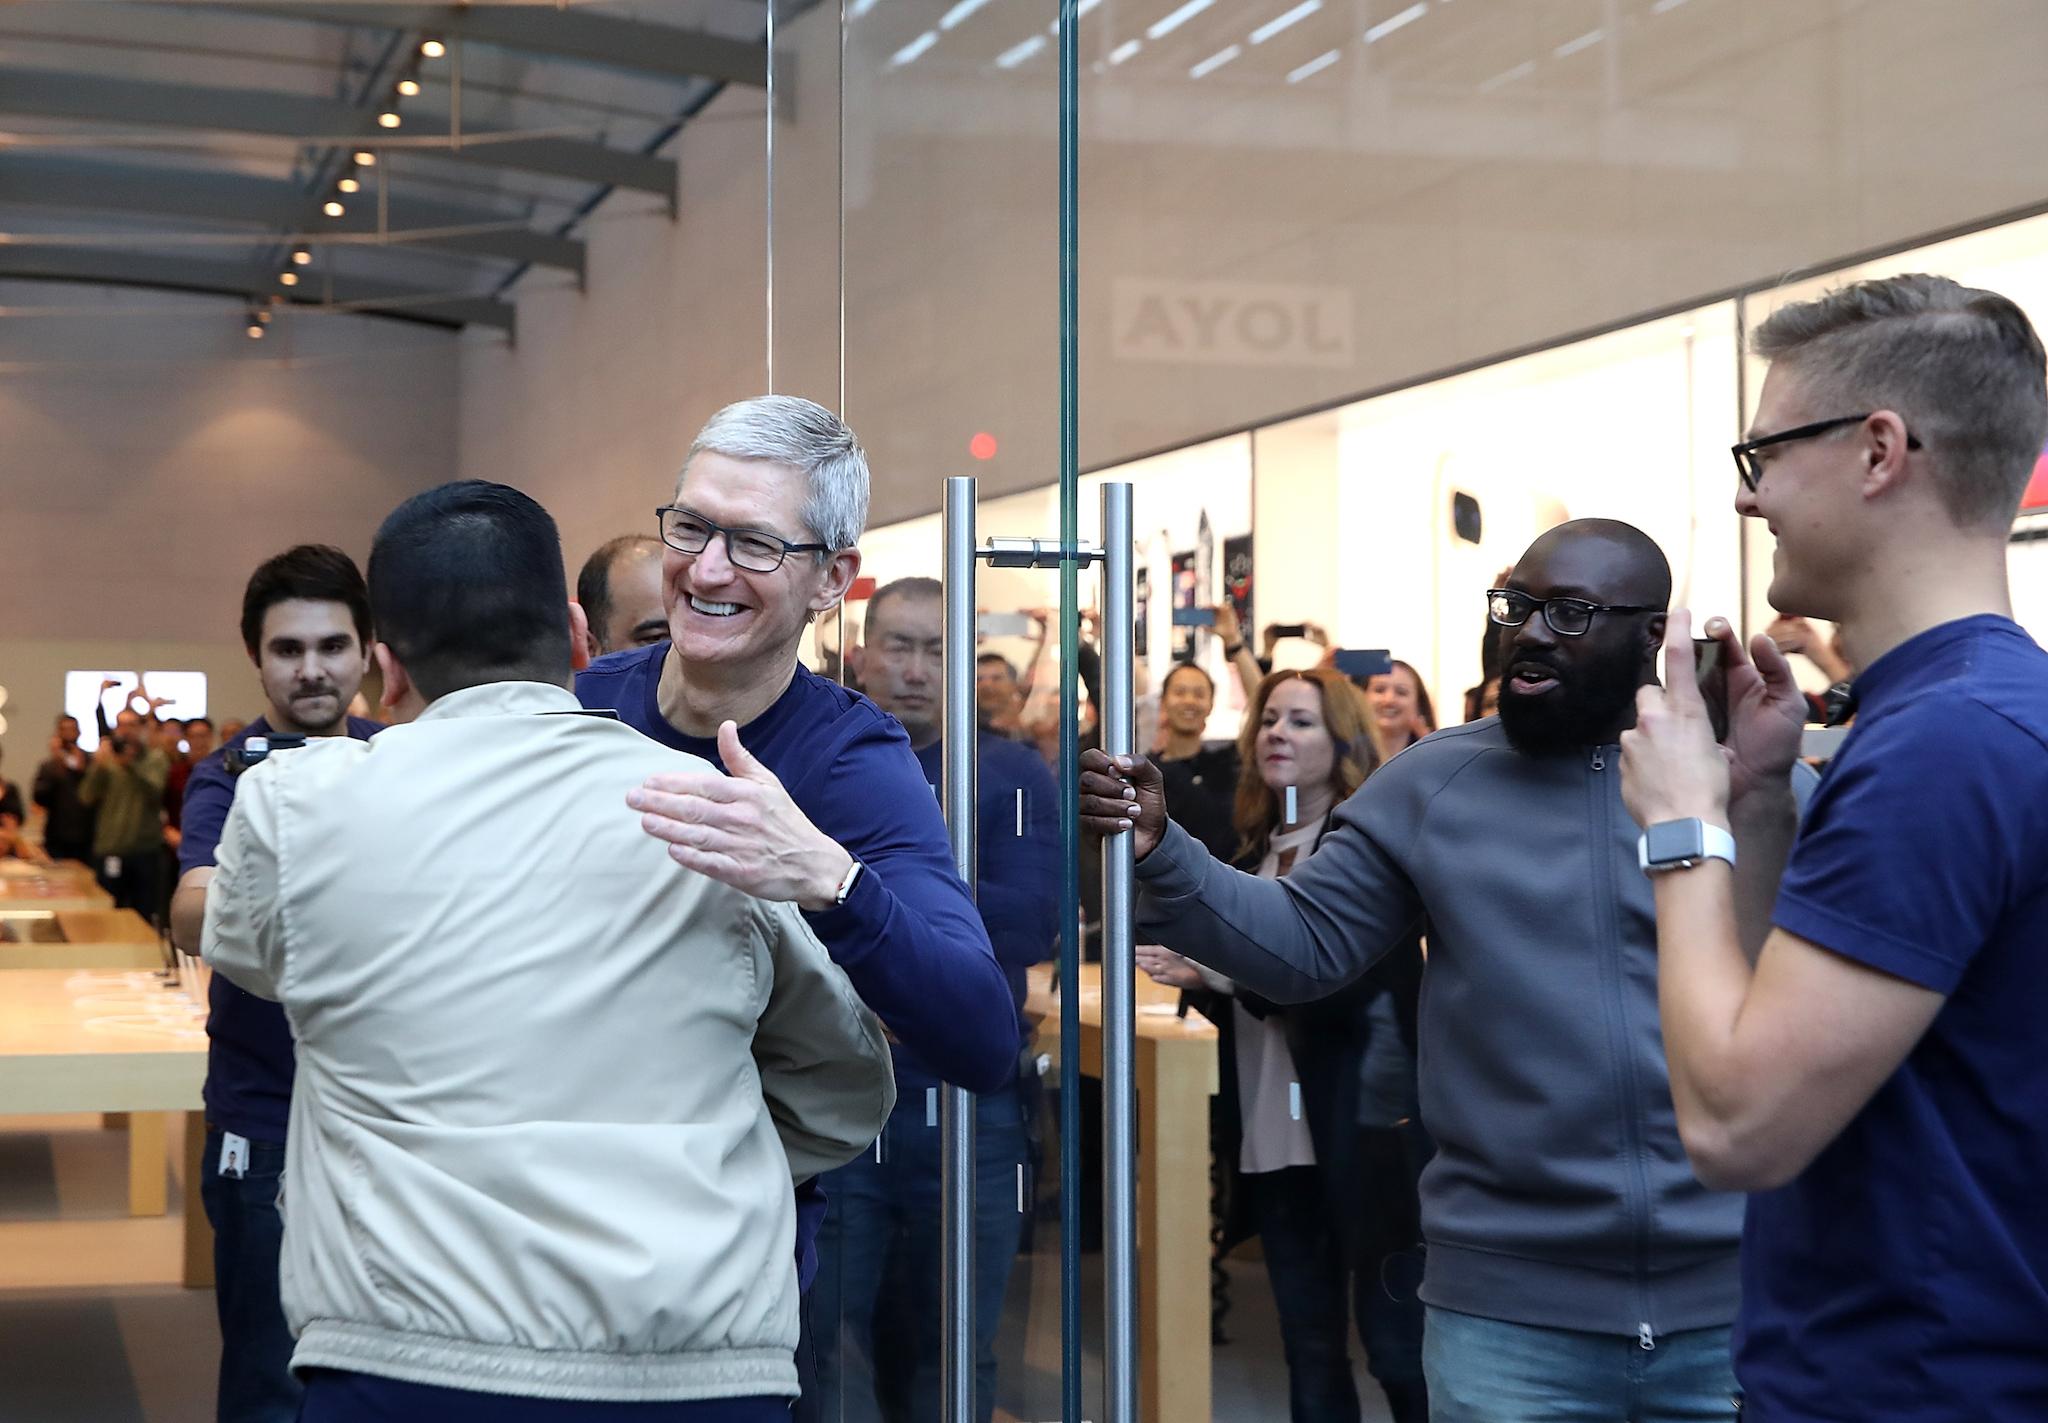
94,1327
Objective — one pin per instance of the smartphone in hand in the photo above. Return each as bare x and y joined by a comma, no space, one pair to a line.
1356,662
1194,617
1711,672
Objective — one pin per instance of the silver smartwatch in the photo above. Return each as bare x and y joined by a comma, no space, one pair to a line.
1681,844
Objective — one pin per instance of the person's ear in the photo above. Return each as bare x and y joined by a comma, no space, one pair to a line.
582,646
840,571
396,682
1884,454
1653,636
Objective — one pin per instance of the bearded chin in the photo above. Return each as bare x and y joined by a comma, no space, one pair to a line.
1576,714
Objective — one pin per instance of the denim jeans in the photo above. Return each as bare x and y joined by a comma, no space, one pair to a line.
1490,1371
256,1382
1316,1290
876,1305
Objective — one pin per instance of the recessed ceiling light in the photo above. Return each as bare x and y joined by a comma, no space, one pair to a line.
389,119
433,49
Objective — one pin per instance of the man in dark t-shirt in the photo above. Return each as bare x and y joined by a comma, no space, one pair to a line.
1852,1018
306,626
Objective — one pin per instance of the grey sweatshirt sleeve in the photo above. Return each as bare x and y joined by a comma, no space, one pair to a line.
1292,939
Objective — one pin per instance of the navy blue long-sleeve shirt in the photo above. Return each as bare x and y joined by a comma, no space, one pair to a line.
908,935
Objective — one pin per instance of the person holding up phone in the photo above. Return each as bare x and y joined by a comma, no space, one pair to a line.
1575,1269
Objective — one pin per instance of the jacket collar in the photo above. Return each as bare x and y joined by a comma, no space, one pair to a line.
501,699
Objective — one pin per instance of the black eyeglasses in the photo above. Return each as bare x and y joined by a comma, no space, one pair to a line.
687,531
1567,617
1751,467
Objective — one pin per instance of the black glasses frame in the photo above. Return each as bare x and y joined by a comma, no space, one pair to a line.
1751,469
785,547
1530,605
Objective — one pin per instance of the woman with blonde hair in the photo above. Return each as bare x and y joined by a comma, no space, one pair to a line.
1317,1112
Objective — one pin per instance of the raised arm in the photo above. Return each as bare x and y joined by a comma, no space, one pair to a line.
824,1064
1290,940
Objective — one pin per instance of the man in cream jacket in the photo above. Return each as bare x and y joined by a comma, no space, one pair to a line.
552,1088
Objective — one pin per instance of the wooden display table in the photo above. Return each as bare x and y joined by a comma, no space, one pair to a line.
1176,1076
63,885
114,1042
86,939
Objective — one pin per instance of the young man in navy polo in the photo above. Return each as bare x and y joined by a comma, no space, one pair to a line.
1853,1016
306,626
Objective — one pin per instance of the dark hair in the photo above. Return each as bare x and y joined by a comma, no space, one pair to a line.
197,720
1001,661
467,582
594,582
318,573
901,588
1422,702
1194,667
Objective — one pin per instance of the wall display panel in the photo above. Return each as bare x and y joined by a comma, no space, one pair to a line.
2011,259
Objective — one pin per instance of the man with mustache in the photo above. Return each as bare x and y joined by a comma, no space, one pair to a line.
1576,1269
306,626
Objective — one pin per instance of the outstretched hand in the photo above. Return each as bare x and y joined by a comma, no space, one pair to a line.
742,829
1123,793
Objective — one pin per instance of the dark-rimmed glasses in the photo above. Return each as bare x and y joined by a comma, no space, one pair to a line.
1750,465
687,531
1567,617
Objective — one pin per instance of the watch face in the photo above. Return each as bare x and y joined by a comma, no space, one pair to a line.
1670,841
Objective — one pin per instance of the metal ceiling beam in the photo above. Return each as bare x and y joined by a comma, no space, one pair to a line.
604,40
298,118
36,180
244,282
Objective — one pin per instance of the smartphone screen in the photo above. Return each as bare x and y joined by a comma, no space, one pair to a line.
1194,617
1358,662
1712,675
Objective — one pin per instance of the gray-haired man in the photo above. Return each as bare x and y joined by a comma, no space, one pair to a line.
823,802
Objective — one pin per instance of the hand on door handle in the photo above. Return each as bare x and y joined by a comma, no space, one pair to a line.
1118,797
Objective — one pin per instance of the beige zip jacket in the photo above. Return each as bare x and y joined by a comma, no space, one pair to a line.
553,1089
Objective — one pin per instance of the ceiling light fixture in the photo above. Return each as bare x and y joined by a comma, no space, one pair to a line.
389,119
333,208
1174,21
1215,62
365,159
433,49
1314,66
1291,18
1395,22
349,185
255,329
408,87
287,278
302,256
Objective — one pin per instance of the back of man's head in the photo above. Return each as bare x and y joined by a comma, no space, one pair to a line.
594,583
466,583
804,436
1962,367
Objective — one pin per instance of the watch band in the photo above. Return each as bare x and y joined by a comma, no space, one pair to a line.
1698,842
852,877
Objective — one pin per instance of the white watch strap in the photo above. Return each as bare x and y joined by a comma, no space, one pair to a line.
1715,844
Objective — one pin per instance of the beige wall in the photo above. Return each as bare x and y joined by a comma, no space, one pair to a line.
151,456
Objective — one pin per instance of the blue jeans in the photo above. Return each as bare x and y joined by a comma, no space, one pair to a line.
333,1397
1316,1291
256,1382
876,1301
1490,1371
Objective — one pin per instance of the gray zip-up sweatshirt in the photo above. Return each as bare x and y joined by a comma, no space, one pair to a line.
1560,1194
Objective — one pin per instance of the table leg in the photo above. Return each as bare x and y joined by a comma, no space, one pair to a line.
148,1164
198,1231
1173,1236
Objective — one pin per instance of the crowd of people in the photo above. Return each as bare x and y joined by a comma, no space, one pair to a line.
595,1000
